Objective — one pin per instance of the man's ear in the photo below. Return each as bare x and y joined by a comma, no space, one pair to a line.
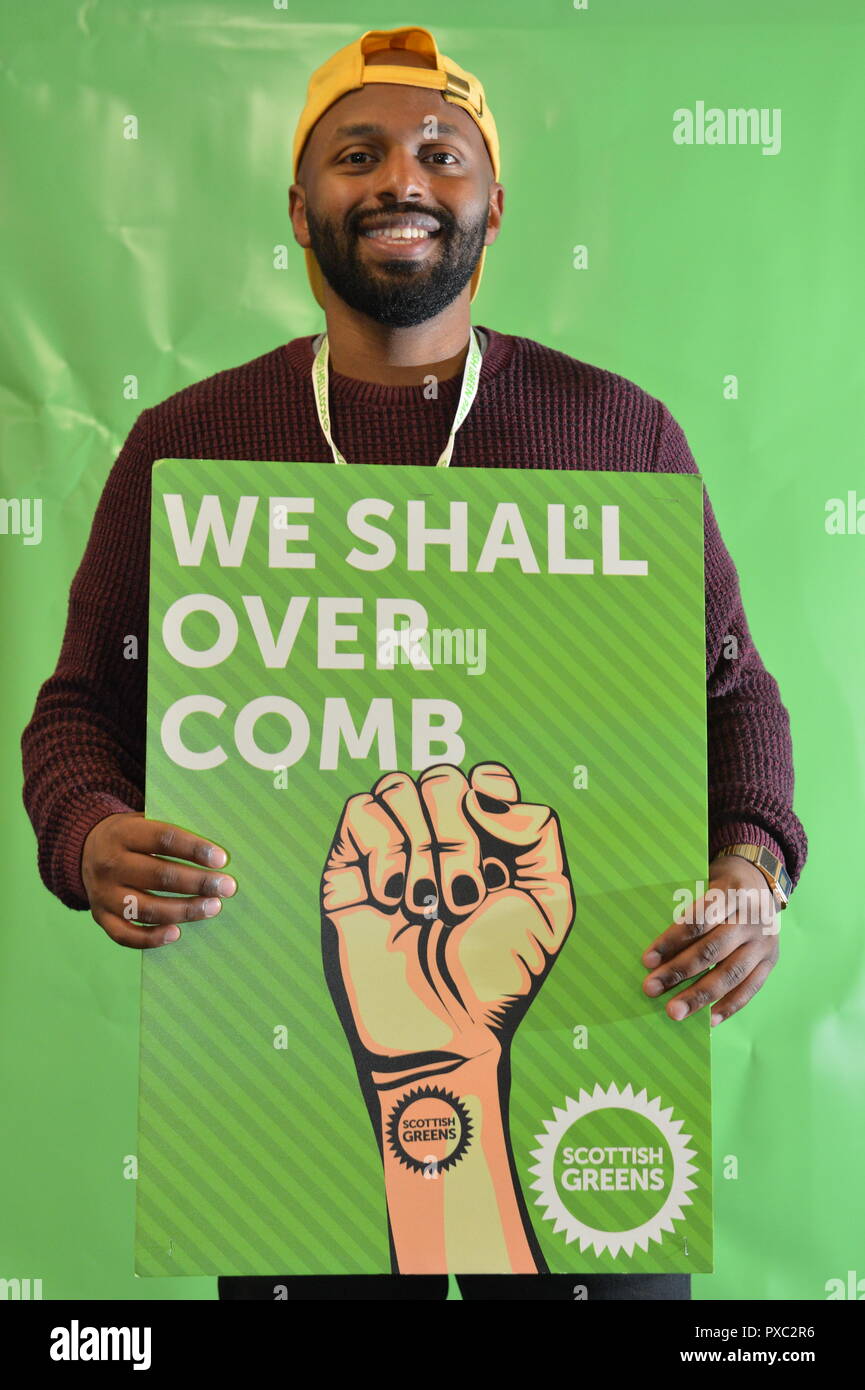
297,214
495,212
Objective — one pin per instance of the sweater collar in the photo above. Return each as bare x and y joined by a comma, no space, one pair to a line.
299,353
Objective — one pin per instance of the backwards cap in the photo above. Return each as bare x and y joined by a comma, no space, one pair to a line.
347,70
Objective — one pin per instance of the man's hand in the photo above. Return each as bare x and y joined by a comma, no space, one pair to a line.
121,874
736,943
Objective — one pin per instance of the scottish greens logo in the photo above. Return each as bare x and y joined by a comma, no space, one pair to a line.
429,1130
613,1170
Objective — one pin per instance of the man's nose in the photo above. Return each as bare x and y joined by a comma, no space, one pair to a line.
400,176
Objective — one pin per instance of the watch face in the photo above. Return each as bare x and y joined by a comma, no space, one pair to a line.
782,887
770,866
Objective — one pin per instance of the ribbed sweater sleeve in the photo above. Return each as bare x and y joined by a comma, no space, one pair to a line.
750,752
83,750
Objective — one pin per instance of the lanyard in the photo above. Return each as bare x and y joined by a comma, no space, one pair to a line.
468,392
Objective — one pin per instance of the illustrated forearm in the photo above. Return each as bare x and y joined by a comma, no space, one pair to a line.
451,1197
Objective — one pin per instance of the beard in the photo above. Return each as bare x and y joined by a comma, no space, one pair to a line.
398,292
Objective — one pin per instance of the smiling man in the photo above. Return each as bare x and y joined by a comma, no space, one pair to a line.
395,201
396,198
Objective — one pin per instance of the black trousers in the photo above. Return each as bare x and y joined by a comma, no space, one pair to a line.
397,1287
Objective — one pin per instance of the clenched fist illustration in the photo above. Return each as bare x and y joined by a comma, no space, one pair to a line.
444,903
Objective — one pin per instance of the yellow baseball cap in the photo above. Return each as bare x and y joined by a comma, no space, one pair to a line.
347,70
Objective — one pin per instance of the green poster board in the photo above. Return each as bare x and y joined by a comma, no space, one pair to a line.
450,726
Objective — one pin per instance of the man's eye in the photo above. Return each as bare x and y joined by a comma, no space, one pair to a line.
436,154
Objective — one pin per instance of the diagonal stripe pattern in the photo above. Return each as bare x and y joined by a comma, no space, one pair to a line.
256,1154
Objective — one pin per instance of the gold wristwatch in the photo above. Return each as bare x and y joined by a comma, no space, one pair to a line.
770,866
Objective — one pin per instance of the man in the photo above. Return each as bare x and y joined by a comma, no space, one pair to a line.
396,197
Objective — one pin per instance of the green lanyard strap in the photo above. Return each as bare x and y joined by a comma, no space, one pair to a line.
468,391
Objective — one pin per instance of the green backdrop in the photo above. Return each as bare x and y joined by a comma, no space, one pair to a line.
133,267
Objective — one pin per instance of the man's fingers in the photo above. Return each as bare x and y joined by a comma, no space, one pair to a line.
161,837
128,934
718,982
743,993
147,871
677,937
135,906
708,950
457,848
700,917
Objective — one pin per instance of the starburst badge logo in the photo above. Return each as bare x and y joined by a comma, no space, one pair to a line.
429,1130
613,1170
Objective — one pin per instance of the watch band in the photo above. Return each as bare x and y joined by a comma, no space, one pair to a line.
771,867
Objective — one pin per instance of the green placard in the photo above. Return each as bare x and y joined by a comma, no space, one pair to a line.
450,725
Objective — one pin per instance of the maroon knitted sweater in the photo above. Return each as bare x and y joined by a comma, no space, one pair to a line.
83,749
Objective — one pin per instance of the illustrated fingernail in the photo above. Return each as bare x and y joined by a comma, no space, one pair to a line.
652,958
211,907
394,886
654,987
171,934
465,890
423,889
494,875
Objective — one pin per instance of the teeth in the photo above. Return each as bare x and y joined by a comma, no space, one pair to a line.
399,233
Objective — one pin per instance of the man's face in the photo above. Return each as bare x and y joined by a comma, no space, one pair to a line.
404,170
